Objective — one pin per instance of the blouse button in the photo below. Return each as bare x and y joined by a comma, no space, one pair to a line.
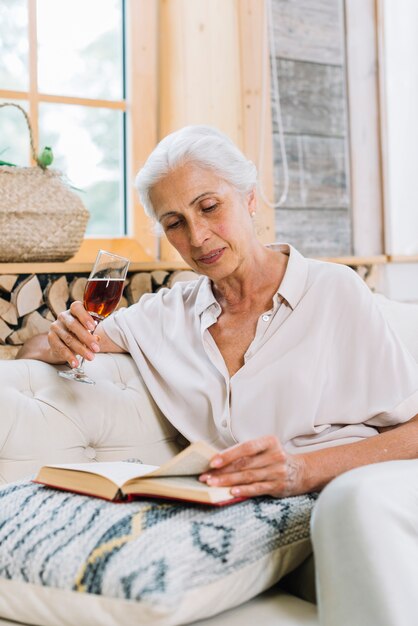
224,423
265,318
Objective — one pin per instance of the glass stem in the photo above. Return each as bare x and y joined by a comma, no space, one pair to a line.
82,358
79,368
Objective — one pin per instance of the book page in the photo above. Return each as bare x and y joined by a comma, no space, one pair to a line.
117,471
182,487
176,482
192,460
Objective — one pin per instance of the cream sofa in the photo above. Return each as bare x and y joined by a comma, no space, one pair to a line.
47,419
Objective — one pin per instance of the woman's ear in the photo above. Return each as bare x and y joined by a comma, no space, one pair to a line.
252,202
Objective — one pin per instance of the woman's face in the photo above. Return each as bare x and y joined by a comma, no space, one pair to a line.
206,219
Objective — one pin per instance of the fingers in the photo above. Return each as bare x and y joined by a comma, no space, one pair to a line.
254,483
248,449
257,489
60,351
245,477
264,459
71,335
271,481
78,312
256,467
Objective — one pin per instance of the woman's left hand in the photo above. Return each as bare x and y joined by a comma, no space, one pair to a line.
257,467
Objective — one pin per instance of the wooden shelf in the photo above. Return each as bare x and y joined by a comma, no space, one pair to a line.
146,266
403,258
357,260
82,268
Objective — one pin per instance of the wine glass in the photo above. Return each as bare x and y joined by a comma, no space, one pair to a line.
102,293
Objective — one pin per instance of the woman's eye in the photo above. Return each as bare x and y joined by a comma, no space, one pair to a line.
208,209
173,225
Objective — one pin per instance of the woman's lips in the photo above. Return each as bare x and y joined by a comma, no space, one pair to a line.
211,257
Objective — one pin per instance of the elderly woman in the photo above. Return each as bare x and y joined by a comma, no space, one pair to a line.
283,363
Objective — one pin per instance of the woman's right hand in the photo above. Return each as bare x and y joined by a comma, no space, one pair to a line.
71,336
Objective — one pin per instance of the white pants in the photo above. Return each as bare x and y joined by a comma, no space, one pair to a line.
365,538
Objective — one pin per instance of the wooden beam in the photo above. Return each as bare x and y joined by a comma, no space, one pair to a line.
200,66
364,131
256,105
8,94
142,69
118,105
33,74
200,70
398,50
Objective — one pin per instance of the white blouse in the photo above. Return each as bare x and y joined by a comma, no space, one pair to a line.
324,367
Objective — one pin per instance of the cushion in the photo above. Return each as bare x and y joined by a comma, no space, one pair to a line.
402,317
79,560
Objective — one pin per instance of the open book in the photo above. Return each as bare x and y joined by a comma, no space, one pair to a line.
177,479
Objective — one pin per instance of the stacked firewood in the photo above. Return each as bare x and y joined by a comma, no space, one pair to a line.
29,304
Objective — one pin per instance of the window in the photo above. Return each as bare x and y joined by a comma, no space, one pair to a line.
64,62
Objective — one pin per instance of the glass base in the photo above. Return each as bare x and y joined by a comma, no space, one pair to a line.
77,375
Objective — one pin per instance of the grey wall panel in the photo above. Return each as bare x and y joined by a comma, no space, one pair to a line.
312,98
310,63
309,30
315,232
317,171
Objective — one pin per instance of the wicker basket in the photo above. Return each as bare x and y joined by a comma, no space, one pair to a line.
41,218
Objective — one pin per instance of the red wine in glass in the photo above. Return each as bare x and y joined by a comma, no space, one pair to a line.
102,294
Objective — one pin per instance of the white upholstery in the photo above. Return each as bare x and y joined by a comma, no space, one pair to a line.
403,318
46,419
273,608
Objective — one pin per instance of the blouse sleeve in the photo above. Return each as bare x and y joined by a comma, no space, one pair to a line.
385,373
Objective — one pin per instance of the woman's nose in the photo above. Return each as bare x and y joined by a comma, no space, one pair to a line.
198,233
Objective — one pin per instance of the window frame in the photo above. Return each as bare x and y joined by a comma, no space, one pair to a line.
141,24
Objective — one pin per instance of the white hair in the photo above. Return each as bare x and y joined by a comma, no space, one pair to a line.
203,145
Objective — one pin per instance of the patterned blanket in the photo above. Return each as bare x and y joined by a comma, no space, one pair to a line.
143,550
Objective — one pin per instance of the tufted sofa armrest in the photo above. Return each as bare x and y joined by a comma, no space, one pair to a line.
403,319
47,419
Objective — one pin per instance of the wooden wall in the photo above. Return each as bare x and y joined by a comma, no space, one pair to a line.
210,58
310,57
